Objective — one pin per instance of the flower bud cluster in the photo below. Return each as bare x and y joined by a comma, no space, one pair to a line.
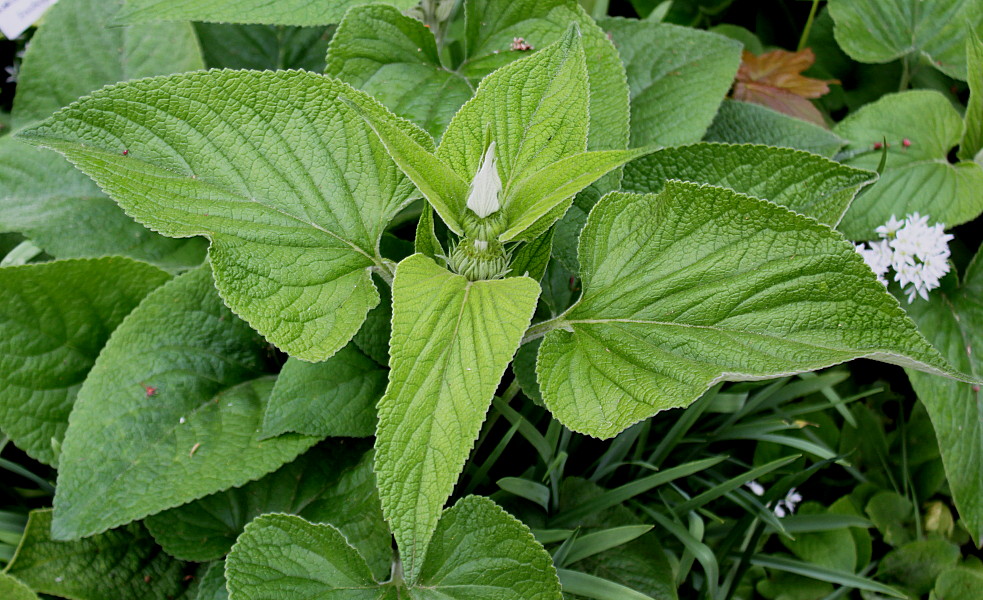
480,255
918,253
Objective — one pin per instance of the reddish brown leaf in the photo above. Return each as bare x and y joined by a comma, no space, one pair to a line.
774,79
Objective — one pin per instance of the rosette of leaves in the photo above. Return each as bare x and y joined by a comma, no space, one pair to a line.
294,178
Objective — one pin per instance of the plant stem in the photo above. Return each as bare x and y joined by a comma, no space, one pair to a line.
540,329
808,28
905,74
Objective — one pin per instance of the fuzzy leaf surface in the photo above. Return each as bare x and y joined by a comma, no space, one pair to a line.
282,12
678,77
952,319
918,178
170,412
803,182
746,123
334,398
879,31
41,195
12,589
700,284
452,340
478,552
125,561
332,483
280,173
54,320
212,584
971,143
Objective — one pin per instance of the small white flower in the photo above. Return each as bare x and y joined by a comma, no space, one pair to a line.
787,505
918,253
756,488
878,257
486,187
889,229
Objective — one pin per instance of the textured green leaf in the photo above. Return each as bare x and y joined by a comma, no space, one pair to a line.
125,561
879,31
959,584
916,565
291,187
336,397
54,320
395,59
803,182
282,12
452,340
170,412
212,584
373,337
677,76
40,194
745,123
332,484
263,47
833,549
491,26
952,320
11,589
700,284
532,258
478,552
918,178
971,143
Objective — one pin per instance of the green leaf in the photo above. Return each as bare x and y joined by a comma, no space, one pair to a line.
598,588
699,284
478,552
532,258
745,123
833,549
971,143
373,337
54,320
452,340
336,397
918,178
212,584
959,584
425,242
952,320
879,31
170,412
332,484
844,578
677,76
11,589
395,59
124,562
263,47
41,196
916,565
491,26
803,182
291,187
282,12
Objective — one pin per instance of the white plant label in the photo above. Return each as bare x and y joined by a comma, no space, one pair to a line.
18,15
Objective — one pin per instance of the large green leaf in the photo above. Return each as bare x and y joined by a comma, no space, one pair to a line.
124,564
332,484
282,12
803,182
918,177
170,412
11,589
677,76
397,60
40,194
54,320
745,123
212,584
452,340
336,397
971,144
700,284
289,184
478,552
879,31
952,320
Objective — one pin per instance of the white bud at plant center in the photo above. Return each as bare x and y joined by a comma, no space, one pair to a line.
487,185
480,245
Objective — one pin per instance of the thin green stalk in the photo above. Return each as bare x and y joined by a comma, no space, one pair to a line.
808,28
540,329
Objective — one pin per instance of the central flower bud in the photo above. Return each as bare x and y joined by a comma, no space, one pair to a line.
479,259
487,186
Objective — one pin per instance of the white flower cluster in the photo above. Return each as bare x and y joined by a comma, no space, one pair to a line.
783,507
918,253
